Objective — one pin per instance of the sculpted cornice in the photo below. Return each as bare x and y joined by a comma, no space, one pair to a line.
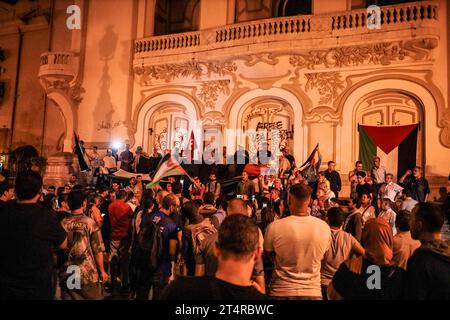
192,69
382,53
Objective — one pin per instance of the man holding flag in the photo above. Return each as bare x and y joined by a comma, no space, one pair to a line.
167,167
80,152
311,167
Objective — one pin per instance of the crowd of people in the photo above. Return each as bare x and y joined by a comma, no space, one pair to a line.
292,235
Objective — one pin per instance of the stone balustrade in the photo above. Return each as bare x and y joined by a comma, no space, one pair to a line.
302,27
58,64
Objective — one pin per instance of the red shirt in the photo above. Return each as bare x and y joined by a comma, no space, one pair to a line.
119,215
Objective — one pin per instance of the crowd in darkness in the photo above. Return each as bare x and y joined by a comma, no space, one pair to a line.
288,235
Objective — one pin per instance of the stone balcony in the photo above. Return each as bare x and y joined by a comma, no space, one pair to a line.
59,71
58,64
398,22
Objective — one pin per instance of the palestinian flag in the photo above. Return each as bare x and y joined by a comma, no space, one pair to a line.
169,166
80,153
311,159
394,144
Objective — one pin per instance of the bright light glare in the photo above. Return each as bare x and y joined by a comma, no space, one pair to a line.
116,145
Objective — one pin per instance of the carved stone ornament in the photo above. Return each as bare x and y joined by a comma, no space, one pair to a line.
328,84
322,114
210,90
445,132
192,69
383,53
73,91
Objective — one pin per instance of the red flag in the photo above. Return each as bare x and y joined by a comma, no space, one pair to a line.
254,169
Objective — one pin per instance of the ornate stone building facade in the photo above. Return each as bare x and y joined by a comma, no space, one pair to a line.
149,72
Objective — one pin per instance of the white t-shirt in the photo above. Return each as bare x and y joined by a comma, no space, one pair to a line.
367,214
409,204
299,244
389,216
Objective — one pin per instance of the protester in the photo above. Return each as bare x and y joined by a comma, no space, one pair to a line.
408,203
109,162
119,215
298,244
367,211
245,186
206,260
388,214
352,281
353,178
362,187
311,170
197,229
140,269
164,267
428,270
30,233
404,244
196,188
354,222
208,208
213,185
85,250
392,190
343,244
335,179
415,182
126,159
237,250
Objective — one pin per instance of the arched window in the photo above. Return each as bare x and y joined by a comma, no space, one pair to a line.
176,16
287,8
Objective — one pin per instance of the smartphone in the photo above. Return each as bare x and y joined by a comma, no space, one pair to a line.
264,205
239,196
253,197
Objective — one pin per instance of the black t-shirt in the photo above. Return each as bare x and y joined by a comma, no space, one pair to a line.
208,288
363,188
428,276
29,234
353,286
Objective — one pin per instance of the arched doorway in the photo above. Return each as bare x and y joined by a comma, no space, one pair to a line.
170,127
165,121
236,115
267,121
390,108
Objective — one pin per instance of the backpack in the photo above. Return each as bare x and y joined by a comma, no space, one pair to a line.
150,242
199,232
